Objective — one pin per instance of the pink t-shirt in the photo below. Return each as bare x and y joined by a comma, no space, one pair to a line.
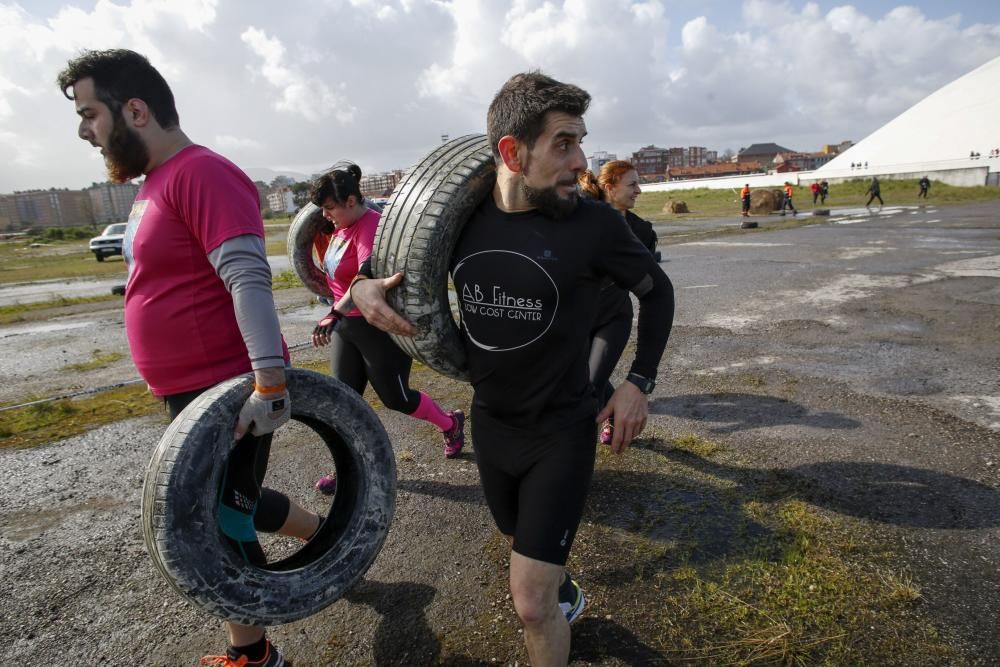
347,249
179,317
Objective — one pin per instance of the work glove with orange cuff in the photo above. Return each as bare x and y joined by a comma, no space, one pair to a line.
265,410
323,330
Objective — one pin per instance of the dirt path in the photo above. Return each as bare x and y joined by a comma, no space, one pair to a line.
812,486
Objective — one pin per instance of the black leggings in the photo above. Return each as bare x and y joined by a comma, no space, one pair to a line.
875,196
244,507
607,342
361,353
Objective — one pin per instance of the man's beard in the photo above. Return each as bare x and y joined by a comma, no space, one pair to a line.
126,155
547,200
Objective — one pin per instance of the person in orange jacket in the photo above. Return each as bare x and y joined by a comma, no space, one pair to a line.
787,202
745,197
814,188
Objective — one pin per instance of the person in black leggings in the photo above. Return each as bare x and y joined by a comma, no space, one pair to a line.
244,506
360,353
618,186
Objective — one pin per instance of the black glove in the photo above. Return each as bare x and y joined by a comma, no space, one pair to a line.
323,330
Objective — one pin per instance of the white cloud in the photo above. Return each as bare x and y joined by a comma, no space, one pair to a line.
378,81
309,97
229,142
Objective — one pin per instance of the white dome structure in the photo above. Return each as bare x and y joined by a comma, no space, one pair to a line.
955,128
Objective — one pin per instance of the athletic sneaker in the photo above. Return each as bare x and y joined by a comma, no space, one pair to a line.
607,432
272,658
327,484
454,438
571,599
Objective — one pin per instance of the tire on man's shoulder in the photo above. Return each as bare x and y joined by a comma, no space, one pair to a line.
417,236
180,502
302,255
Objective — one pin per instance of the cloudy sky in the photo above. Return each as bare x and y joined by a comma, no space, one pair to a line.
296,86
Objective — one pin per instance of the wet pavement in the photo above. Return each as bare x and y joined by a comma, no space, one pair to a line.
49,290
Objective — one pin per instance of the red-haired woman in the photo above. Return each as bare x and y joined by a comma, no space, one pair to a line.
618,186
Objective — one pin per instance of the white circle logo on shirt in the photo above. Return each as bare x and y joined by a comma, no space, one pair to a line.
507,300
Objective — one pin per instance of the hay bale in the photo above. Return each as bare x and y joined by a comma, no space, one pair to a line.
675,207
763,202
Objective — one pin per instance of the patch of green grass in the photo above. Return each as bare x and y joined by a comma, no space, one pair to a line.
786,593
31,264
695,444
15,312
286,280
704,202
47,422
749,379
98,360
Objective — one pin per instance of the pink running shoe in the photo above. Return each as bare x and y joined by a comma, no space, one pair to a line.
454,438
607,432
327,484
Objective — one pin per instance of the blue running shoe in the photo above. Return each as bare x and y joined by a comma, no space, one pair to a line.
571,599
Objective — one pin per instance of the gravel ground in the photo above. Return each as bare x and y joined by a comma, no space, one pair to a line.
868,378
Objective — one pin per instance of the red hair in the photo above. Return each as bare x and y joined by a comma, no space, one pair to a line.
611,173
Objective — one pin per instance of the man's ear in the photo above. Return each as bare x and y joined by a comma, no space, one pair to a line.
136,113
509,153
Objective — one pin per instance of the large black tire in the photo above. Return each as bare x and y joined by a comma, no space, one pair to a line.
181,492
417,236
301,254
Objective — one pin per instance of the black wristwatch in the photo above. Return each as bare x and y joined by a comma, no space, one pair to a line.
645,385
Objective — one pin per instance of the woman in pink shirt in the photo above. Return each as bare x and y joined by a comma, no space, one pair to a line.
359,352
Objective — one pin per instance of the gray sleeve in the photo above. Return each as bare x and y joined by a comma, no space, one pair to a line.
241,263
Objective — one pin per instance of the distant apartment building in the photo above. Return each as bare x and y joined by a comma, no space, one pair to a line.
711,157
651,162
262,191
8,211
380,185
111,202
46,208
599,159
281,200
696,156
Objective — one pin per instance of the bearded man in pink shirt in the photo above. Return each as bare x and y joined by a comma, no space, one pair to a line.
198,302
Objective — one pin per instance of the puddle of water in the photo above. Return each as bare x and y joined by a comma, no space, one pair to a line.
858,253
48,290
737,244
988,267
53,289
44,328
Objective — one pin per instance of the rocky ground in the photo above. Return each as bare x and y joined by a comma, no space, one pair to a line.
827,415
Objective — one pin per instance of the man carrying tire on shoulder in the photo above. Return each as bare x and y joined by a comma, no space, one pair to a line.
527,270
198,302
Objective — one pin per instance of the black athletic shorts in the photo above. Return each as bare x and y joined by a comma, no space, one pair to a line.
535,483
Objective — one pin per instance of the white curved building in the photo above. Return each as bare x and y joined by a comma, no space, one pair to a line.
955,128
952,136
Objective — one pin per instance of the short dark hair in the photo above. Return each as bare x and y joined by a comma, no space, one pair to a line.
520,106
120,75
337,184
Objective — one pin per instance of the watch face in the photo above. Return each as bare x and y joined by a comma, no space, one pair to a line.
645,385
